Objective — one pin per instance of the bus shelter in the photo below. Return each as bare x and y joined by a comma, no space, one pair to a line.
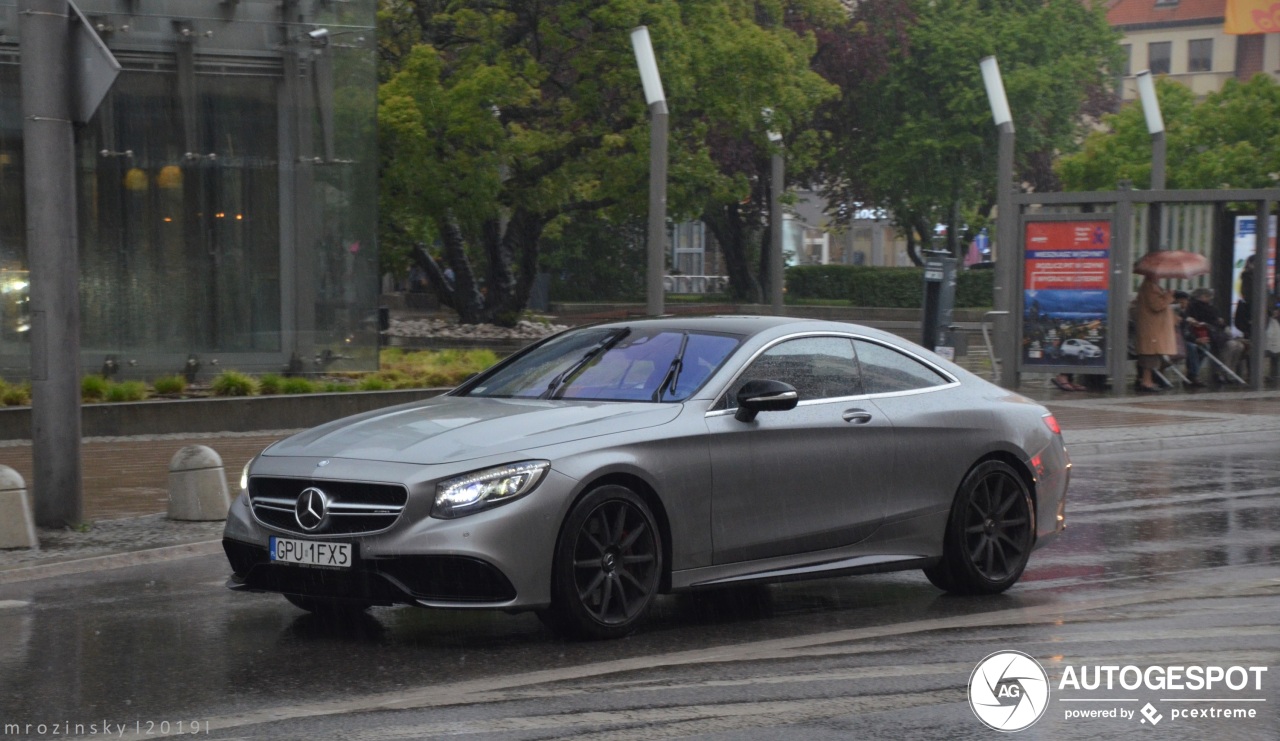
1074,279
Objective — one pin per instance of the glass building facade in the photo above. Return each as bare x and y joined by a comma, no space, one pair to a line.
226,189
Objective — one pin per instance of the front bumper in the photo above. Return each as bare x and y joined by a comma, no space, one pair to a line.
430,581
499,558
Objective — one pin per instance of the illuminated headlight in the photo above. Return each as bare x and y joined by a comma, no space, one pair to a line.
488,488
244,476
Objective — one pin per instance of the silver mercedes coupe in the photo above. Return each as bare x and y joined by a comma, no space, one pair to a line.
608,464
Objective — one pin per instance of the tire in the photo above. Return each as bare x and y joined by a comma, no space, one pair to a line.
330,607
989,534
607,568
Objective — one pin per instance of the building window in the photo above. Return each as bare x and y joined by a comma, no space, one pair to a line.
1200,55
1127,50
1158,55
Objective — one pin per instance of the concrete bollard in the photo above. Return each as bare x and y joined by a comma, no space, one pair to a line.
17,526
197,485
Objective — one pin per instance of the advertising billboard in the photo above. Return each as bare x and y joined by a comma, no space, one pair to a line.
1066,282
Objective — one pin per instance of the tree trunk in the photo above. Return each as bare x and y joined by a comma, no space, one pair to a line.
726,225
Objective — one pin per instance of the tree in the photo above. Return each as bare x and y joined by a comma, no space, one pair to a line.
499,120
1231,139
915,136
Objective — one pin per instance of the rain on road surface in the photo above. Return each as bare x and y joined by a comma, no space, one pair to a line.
1169,559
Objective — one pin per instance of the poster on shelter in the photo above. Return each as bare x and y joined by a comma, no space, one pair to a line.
1243,248
1065,293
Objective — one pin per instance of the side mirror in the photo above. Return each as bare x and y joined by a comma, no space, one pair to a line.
764,396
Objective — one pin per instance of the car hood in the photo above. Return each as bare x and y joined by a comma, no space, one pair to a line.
448,429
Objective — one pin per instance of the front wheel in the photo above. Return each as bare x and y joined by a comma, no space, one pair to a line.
608,565
989,534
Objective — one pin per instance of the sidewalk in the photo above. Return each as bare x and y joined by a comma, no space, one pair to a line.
126,479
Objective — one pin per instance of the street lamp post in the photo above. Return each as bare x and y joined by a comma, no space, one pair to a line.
1155,127
1007,225
776,264
48,140
657,102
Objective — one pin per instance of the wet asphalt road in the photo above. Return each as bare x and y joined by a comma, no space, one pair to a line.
1169,559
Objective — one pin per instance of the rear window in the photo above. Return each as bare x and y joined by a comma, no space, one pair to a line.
885,370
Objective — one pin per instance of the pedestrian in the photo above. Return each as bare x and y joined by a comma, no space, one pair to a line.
1190,338
1156,336
1244,312
1210,324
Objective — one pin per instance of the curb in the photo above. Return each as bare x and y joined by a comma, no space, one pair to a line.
110,561
1165,443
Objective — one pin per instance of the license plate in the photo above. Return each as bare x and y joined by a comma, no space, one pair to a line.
311,553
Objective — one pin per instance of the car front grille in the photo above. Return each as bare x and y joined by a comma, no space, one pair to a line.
353,508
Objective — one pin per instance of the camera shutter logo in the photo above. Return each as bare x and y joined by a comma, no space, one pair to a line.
1008,691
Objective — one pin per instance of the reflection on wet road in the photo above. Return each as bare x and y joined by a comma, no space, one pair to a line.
1167,557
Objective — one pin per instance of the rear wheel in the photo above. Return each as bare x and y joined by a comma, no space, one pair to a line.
322,606
989,534
608,565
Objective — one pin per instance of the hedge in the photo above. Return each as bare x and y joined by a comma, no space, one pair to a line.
893,288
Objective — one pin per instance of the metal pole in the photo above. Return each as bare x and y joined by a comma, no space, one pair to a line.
1260,308
1155,226
776,267
657,206
1121,283
1007,261
53,259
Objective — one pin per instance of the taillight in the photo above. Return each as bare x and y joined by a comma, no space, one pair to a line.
1052,424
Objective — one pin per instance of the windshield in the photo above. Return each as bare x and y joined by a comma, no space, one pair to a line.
613,364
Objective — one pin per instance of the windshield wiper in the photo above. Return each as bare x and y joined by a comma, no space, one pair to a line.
672,378
559,382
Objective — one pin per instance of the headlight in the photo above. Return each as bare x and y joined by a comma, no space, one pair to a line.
244,476
488,488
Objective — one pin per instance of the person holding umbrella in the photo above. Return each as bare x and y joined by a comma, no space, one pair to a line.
1155,323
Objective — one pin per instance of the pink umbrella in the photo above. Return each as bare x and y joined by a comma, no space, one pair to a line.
1167,264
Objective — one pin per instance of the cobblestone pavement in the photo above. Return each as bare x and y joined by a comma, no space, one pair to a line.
126,478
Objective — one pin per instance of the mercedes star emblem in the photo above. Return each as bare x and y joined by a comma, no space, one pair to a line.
312,509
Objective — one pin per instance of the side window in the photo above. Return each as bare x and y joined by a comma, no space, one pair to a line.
818,368
885,370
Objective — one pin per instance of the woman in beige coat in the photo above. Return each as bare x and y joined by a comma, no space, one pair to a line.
1156,330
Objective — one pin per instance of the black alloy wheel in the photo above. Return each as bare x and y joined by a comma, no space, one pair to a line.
608,565
989,535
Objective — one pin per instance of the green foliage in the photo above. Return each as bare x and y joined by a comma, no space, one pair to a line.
15,396
1229,139
93,388
233,383
127,391
901,288
373,383
532,115
174,384
298,385
269,384
431,368
919,139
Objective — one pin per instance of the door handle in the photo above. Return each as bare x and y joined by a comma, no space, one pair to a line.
857,416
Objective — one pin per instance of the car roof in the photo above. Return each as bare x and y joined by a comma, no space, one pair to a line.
741,324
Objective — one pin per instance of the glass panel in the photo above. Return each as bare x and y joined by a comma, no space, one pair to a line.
1200,55
1158,56
180,250
885,370
818,368
15,319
